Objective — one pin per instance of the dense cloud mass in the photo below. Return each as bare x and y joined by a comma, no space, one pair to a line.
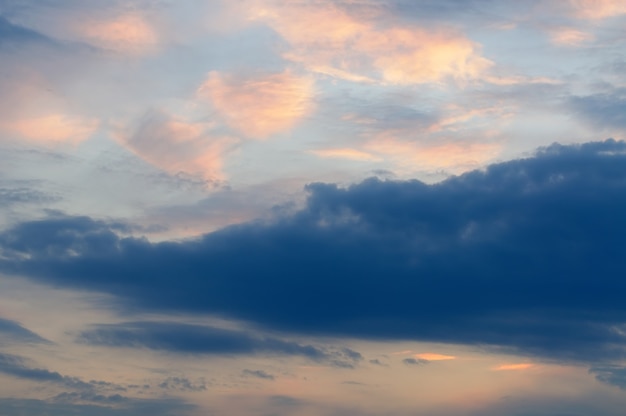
525,255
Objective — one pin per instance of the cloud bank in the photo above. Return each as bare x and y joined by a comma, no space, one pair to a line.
524,256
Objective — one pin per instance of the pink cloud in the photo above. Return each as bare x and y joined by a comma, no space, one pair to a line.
177,146
598,9
345,153
326,39
51,128
262,105
126,33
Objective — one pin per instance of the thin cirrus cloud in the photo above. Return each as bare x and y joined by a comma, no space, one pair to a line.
383,256
327,39
259,105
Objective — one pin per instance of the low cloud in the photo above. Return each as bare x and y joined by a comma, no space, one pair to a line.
14,332
199,339
509,257
415,361
258,374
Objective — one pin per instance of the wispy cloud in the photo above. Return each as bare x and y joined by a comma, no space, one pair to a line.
259,105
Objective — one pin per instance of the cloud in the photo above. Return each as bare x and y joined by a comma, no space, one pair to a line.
430,356
17,366
597,9
514,367
182,384
613,375
55,127
131,407
258,374
345,153
335,41
198,339
602,110
415,361
178,146
13,331
524,256
568,36
411,155
22,195
260,105
128,33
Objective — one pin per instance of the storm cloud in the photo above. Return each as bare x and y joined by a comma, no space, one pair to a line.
525,256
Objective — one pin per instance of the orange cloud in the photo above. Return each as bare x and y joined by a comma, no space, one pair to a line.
178,146
51,128
326,39
598,9
260,106
513,367
429,356
129,33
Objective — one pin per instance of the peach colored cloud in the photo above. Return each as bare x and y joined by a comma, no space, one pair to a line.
51,128
570,37
262,105
326,39
513,367
414,156
345,153
598,9
177,146
434,356
126,33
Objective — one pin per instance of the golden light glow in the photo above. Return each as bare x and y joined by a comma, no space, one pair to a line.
514,367
431,356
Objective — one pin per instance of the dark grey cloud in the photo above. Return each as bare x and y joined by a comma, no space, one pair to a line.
258,374
182,384
525,256
16,366
415,361
200,339
128,407
13,331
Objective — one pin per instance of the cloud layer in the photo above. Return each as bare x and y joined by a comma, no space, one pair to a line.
510,257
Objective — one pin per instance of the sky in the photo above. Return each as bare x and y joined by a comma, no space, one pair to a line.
312,207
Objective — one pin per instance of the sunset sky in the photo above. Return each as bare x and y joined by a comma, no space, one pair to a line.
313,208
